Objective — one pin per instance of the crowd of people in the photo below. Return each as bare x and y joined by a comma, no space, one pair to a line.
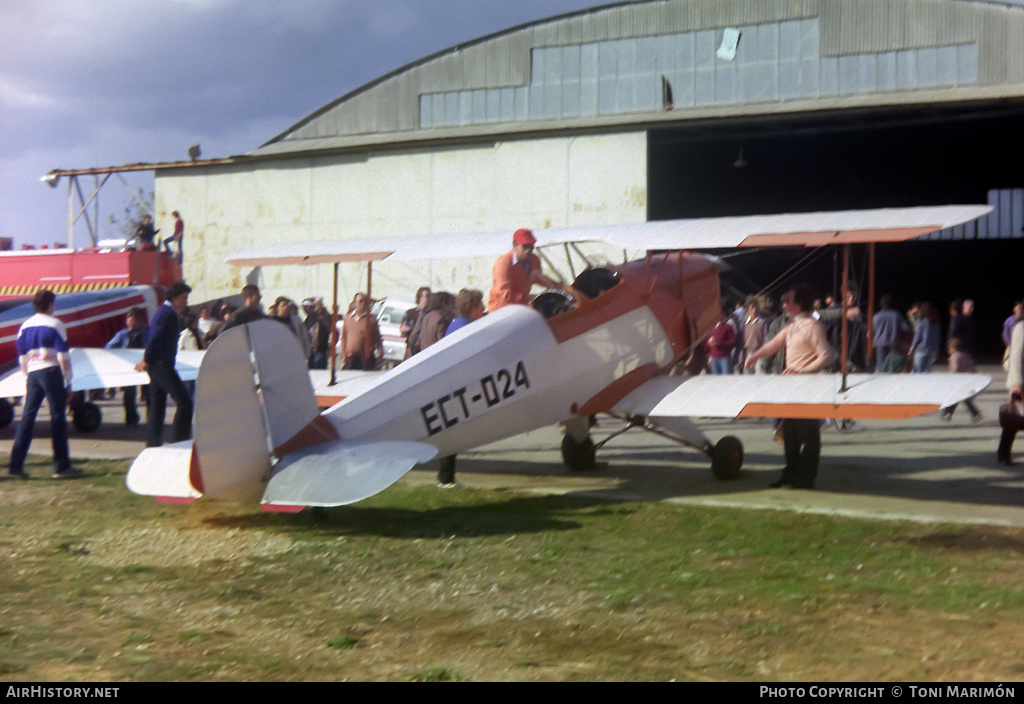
908,342
311,328
803,337
806,336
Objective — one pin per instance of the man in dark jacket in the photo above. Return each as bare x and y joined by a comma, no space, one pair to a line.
158,360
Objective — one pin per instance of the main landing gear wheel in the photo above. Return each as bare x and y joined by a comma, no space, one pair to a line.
727,458
86,417
6,413
578,456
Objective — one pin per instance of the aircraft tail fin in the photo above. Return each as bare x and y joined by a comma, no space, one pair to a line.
254,401
252,395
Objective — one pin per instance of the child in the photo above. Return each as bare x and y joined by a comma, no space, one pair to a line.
960,362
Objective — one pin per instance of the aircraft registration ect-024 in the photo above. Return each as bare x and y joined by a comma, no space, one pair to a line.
613,345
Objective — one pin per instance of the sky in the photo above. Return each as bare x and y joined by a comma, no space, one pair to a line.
109,82
87,83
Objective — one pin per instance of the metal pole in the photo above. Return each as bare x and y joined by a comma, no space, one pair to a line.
843,325
96,205
334,327
71,210
85,212
871,302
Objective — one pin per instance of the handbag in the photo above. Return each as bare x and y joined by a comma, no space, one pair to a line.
1011,416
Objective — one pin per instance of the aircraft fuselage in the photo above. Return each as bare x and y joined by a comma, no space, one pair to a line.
515,371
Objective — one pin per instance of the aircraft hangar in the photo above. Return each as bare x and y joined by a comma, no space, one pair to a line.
649,110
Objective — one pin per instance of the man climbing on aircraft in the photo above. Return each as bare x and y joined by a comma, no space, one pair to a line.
516,272
807,352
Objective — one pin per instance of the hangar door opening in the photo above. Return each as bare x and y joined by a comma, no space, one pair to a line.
852,161
803,166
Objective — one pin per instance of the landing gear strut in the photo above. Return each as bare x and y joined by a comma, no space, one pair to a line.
579,450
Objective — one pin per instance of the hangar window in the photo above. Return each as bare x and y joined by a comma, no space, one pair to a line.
731,66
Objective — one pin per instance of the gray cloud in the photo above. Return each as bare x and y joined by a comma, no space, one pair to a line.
106,82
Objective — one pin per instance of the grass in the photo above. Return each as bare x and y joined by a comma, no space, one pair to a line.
421,585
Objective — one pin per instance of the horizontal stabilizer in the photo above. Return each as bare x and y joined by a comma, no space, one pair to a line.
880,396
339,473
163,472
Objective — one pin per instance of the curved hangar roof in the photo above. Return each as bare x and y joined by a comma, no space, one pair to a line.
664,61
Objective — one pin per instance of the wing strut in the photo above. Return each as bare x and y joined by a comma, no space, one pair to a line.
844,324
334,328
870,322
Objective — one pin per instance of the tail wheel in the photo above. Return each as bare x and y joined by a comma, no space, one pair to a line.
727,458
578,456
6,413
86,417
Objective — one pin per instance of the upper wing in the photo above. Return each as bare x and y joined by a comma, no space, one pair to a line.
800,229
807,229
881,396
94,368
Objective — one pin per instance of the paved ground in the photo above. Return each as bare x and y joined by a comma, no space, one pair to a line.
925,469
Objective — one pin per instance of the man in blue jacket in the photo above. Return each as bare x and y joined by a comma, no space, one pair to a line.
158,360
133,337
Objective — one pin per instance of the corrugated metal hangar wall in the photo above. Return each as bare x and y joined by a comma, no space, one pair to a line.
637,111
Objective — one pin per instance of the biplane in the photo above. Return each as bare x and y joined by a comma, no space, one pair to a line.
611,344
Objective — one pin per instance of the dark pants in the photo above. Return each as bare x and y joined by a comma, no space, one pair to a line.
357,361
318,360
49,384
164,380
181,249
446,472
1006,443
802,442
131,409
881,352
1011,424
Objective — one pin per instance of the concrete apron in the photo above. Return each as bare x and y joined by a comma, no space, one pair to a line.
926,469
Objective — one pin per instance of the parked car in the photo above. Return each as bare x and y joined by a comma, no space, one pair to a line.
389,313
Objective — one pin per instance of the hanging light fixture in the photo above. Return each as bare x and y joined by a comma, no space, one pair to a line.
740,162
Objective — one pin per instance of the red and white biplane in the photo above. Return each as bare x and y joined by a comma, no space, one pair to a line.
611,347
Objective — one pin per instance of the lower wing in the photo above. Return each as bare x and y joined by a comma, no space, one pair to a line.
95,368
880,396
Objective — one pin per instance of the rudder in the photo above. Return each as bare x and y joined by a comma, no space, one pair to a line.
252,394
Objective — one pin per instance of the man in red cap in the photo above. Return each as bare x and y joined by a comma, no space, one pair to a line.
516,272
